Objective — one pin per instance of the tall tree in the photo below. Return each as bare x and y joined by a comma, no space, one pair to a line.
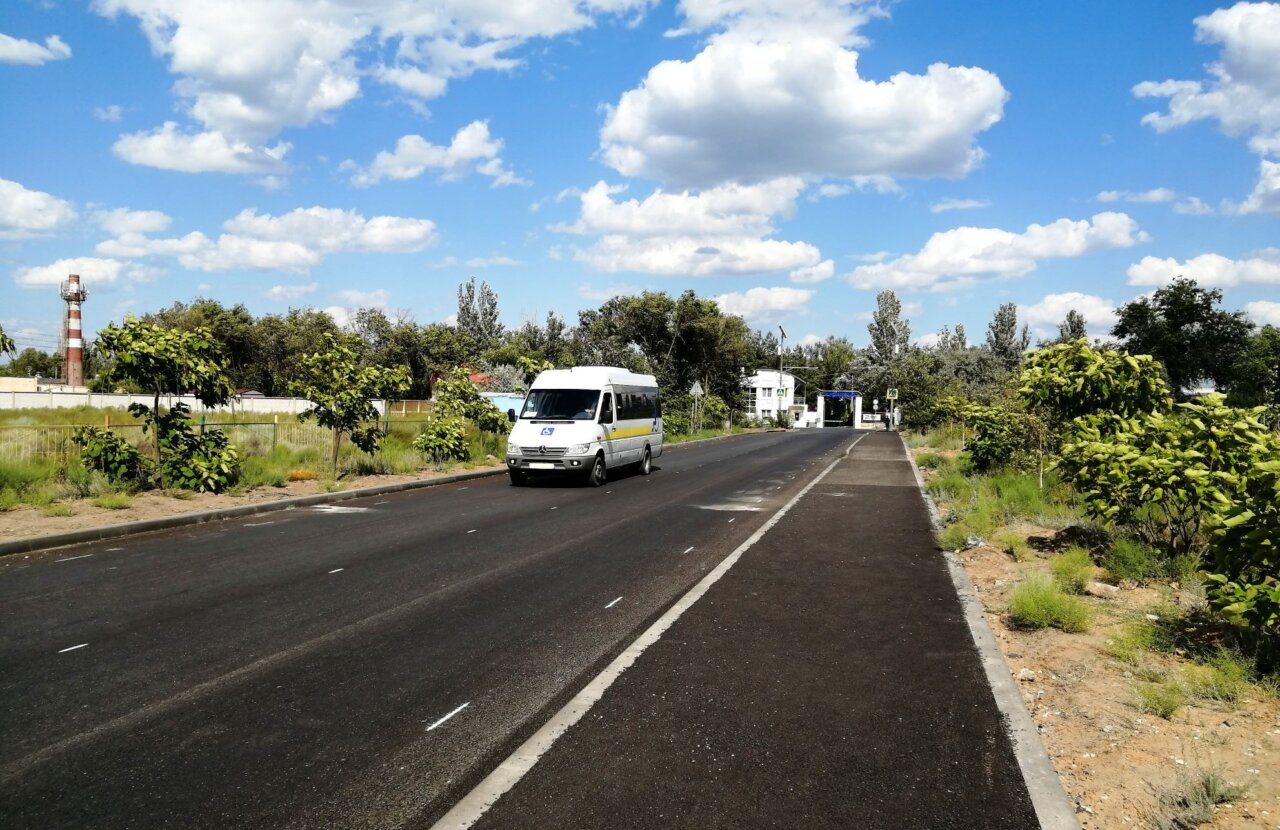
1003,339
231,326
478,314
1181,326
31,362
890,332
1258,371
1073,327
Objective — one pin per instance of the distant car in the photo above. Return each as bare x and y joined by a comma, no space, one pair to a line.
586,421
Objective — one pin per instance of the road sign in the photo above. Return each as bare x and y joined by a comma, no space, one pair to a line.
696,389
892,395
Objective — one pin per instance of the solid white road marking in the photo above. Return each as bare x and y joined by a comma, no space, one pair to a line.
335,570
686,550
446,717
615,602
81,556
336,508
258,524
72,648
475,803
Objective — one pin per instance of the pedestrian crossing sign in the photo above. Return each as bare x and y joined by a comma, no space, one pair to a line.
892,395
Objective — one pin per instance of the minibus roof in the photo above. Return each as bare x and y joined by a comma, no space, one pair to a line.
591,377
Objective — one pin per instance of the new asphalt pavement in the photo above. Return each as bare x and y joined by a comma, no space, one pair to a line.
368,664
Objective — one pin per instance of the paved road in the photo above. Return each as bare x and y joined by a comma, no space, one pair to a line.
827,681
361,665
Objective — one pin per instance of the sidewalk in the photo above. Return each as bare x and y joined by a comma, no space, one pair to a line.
828,680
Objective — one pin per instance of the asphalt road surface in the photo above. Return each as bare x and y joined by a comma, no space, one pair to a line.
353,665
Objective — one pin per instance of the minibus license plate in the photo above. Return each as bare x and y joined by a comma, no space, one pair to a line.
541,465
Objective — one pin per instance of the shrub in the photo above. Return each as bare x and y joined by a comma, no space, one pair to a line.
930,461
108,453
1073,570
457,396
1072,379
1038,602
442,439
1162,474
203,462
1002,437
114,501
1244,559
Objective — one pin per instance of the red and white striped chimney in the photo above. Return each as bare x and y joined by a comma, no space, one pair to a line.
74,295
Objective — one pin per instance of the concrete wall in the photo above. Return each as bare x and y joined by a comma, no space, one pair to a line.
69,400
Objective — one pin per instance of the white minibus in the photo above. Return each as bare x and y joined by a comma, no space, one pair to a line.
586,421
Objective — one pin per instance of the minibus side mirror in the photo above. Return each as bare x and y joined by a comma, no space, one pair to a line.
511,415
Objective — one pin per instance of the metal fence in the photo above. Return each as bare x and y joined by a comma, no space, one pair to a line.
40,441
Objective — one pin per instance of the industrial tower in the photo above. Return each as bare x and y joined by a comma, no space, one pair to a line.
73,358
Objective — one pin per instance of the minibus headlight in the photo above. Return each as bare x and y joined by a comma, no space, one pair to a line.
578,449
513,449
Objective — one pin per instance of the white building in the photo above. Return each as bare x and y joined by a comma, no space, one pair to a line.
770,392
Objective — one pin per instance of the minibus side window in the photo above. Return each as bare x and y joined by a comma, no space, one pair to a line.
606,409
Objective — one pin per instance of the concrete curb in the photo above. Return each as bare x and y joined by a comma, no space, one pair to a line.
1052,805
98,534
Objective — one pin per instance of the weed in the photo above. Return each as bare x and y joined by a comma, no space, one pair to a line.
9,500
1013,543
1129,559
114,501
302,474
180,495
56,508
1038,602
1073,570
1189,801
1161,699
930,461
331,486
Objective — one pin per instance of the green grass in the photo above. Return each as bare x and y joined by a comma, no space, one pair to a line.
1224,680
1073,570
114,501
1160,699
57,508
1038,602
930,461
1014,543
1189,801
1131,560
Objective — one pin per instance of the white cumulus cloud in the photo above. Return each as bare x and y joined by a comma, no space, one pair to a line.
120,221
290,293
1045,316
807,111
1265,197
722,230
824,270
762,305
375,298
211,151
1208,270
26,213
295,241
963,256
248,69
1263,312
30,53
472,149
1159,194
93,272
957,204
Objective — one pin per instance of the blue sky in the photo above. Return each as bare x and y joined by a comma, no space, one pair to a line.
790,157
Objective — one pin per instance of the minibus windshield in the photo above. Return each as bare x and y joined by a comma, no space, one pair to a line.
561,404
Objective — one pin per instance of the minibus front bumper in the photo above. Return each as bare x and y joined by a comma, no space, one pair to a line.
564,464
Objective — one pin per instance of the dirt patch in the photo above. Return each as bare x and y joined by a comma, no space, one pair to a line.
1108,753
29,522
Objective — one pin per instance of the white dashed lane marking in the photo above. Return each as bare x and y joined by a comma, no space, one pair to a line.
446,717
81,556
615,602
71,648
336,570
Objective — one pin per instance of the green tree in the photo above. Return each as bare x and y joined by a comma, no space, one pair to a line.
231,327
1257,371
1003,339
478,314
31,362
162,361
1073,327
7,346
342,392
890,332
1073,380
1181,326
281,341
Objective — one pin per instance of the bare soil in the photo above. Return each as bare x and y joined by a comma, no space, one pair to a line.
1112,757
29,522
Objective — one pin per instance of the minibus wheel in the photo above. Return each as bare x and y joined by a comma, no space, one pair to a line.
646,463
597,475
